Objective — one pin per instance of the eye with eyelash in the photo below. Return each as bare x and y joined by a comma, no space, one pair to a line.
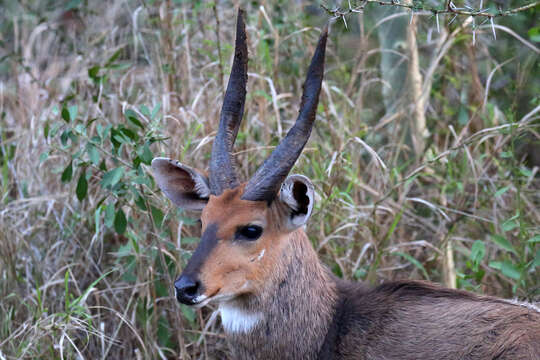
248,232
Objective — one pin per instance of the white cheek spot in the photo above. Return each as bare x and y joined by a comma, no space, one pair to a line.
237,320
259,257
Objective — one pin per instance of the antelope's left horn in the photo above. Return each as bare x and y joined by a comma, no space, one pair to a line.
265,184
222,169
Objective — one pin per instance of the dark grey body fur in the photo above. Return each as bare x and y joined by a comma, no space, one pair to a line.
309,314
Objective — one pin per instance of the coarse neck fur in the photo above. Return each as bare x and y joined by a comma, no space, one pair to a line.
290,319
306,313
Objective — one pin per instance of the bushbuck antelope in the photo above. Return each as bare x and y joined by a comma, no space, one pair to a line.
276,300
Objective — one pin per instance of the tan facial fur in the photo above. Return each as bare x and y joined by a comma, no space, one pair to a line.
235,266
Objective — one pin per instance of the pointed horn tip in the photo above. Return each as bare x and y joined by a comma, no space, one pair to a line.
240,27
324,36
325,30
240,16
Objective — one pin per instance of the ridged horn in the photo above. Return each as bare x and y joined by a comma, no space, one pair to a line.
265,184
222,169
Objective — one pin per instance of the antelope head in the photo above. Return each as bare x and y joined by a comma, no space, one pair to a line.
244,224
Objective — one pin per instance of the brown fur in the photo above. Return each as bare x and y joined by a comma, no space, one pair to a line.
304,306
233,265
307,313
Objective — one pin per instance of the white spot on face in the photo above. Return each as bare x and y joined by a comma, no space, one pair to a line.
237,320
261,255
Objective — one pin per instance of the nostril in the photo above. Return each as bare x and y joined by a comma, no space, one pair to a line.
191,290
187,289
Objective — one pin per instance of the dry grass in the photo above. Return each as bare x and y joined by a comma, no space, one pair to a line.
74,284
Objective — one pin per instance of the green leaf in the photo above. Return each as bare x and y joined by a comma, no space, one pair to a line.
478,251
535,239
142,180
139,201
525,172
82,186
65,114
413,261
43,156
129,275
64,137
189,240
124,250
131,116
112,177
93,154
66,290
497,265
510,270
534,34
463,116
146,154
109,215
67,174
93,72
145,110
157,215
120,221
97,216
163,332
509,225
155,111
113,57
69,113
503,243
536,262
502,191
188,312
46,129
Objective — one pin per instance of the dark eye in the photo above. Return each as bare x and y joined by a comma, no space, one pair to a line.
249,232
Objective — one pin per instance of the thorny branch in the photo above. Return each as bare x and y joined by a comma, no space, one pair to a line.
449,8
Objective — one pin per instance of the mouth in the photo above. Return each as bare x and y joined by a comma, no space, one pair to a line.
203,300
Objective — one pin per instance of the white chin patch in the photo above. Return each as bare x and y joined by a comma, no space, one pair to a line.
237,320
201,301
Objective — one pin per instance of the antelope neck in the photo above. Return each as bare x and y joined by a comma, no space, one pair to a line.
292,316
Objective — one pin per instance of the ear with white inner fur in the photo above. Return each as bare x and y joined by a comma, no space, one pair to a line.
297,192
185,186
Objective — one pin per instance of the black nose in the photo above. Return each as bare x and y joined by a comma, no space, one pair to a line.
187,289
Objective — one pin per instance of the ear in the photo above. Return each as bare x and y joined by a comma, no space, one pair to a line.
186,187
297,193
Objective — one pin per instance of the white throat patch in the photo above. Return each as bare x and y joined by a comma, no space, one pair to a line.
236,320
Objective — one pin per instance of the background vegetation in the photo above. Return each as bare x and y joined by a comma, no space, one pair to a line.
425,156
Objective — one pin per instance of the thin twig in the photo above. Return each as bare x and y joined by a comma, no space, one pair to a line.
218,43
450,8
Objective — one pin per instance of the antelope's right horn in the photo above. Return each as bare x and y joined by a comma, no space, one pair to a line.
265,184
